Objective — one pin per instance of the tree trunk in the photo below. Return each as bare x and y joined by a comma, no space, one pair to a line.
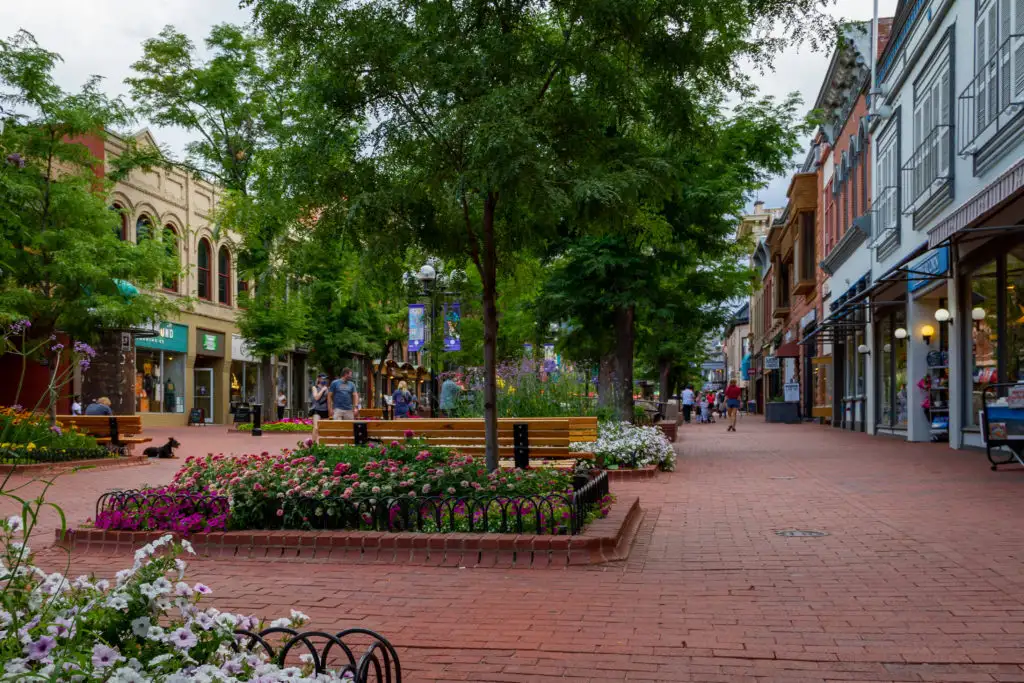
664,380
605,387
625,331
489,277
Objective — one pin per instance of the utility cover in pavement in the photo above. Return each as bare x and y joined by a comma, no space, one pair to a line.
801,533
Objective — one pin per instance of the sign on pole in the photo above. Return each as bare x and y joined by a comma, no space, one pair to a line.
416,328
452,327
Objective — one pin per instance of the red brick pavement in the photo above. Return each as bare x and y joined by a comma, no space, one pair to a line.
920,578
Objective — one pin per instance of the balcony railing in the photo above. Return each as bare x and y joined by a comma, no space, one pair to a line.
929,170
993,98
887,216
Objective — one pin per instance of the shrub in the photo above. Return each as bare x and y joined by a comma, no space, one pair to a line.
29,454
297,424
162,509
621,444
147,626
524,392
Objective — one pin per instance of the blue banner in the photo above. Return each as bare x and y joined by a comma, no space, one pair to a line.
453,327
416,327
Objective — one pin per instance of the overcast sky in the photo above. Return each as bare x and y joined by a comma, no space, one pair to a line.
104,37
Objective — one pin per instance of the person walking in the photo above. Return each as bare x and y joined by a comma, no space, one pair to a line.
732,403
343,397
401,400
318,402
282,401
449,397
688,401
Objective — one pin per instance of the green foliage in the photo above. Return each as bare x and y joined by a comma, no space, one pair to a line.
61,257
525,392
26,428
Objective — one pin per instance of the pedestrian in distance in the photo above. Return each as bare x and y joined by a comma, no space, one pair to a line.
688,401
318,402
282,402
343,397
732,403
100,406
76,405
449,397
401,400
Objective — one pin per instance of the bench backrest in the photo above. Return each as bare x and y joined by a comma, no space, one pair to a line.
99,425
549,438
377,413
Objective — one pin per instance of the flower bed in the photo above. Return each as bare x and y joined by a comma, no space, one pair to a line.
162,509
24,428
147,626
29,454
621,445
297,424
402,486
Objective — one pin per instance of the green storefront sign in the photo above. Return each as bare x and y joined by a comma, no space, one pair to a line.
170,337
210,342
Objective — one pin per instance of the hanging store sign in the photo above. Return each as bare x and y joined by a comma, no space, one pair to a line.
934,263
771,363
169,337
453,327
417,331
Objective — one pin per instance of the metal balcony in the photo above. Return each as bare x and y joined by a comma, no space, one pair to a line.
929,169
993,98
886,219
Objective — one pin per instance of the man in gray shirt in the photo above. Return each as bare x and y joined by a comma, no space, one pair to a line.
343,397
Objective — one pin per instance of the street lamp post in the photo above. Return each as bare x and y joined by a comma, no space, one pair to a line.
435,281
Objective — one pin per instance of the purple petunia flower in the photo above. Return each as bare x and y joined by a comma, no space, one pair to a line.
183,639
40,649
104,656
16,160
202,589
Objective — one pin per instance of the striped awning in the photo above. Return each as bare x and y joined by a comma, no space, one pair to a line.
979,206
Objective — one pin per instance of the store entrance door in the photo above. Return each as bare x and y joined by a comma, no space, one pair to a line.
204,392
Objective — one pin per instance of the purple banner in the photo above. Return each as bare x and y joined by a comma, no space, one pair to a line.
417,330
453,327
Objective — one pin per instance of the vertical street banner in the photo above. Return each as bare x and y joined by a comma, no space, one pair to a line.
453,327
416,327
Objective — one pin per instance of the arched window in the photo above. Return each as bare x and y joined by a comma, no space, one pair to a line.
121,225
224,276
171,245
205,284
143,229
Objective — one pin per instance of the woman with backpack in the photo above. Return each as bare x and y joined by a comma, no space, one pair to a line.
402,399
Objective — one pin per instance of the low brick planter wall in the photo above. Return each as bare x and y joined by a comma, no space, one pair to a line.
640,474
605,540
97,464
670,429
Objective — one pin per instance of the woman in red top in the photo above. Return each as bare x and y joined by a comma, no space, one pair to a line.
732,402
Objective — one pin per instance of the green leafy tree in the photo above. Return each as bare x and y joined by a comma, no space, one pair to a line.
64,266
236,102
491,122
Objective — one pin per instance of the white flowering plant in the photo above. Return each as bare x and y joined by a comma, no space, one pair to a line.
146,626
621,445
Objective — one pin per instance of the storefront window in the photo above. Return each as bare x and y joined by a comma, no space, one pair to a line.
886,342
851,367
985,335
245,383
1015,315
159,382
859,391
899,381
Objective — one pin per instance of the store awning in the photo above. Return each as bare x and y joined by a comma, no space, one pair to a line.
991,199
788,350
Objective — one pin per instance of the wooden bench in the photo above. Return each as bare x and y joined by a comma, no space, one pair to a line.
519,439
120,432
373,413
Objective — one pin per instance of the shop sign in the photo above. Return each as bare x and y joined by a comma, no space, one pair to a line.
209,343
1016,398
791,392
752,372
241,349
935,262
771,363
170,337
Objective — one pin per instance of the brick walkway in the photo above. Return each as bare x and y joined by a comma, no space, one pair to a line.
919,579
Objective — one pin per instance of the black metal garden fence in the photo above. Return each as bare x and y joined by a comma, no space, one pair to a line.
377,660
